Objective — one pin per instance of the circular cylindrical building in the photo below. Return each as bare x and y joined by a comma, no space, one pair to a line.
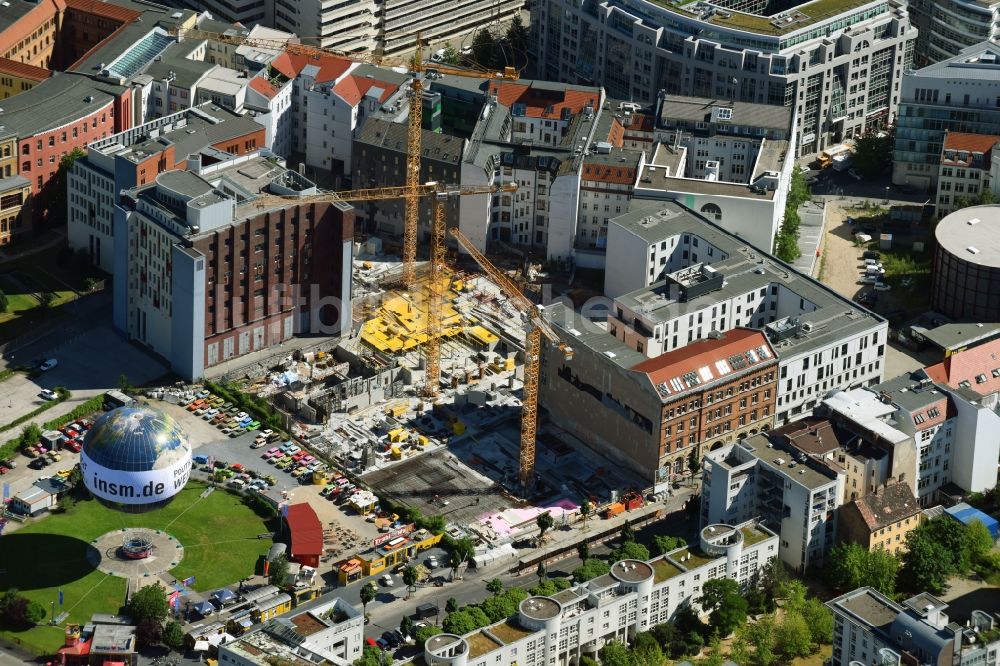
446,650
722,539
965,276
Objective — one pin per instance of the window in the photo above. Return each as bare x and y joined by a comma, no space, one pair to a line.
711,211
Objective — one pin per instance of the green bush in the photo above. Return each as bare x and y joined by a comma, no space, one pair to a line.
258,407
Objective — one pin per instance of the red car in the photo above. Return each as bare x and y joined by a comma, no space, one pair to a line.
3,470
73,445
70,432
236,467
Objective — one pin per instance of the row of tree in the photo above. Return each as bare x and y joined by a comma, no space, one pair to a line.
786,244
149,609
494,50
936,550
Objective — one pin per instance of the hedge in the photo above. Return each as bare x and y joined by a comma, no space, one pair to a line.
258,407
83,409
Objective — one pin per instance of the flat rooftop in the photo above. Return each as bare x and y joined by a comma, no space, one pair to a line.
785,463
972,235
745,269
802,16
911,392
692,110
872,608
950,337
61,99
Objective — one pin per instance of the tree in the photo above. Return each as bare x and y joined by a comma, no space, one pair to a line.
451,56
926,563
953,536
484,48
173,635
723,600
693,462
517,39
368,592
541,571
461,551
585,509
148,631
278,571
406,626
851,566
454,561
55,202
715,656
583,550
494,586
410,576
503,605
979,540
615,654
663,544
30,434
755,643
451,605
123,384
646,650
630,550
628,532
794,637
465,620
370,656
545,522
591,568
149,603
3,302
424,633
872,152
819,619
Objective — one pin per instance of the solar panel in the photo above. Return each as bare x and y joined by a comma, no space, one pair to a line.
691,378
738,362
752,357
763,352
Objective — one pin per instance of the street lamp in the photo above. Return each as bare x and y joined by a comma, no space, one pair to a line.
887,194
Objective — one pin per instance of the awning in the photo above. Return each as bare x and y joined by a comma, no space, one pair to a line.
205,608
201,646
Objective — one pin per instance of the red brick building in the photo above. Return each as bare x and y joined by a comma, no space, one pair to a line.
305,534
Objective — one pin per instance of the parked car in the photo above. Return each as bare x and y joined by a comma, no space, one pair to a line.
432,562
882,286
9,463
386,580
74,446
258,444
48,394
48,364
871,254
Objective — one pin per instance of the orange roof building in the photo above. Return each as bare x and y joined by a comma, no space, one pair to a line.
306,534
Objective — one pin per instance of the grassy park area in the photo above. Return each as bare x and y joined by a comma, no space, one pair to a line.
219,535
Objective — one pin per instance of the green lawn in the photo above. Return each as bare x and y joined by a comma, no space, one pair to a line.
219,535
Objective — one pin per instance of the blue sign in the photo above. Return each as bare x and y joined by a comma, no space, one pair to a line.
6,492
188,581
60,597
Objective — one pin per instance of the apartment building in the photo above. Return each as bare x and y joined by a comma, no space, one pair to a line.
868,627
965,169
954,438
946,27
331,631
958,94
633,597
133,158
838,66
202,274
974,370
654,415
792,494
881,519
689,278
379,159
15,208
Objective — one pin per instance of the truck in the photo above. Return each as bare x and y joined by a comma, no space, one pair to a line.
826,158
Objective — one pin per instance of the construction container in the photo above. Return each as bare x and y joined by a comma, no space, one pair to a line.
396,410
398,435
422,440
614,510
396,452
508,364
320,477
632,500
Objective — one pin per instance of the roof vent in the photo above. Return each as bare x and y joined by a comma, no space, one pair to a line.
974,221
973,249
88,99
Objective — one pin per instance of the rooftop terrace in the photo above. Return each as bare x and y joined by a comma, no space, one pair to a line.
796,18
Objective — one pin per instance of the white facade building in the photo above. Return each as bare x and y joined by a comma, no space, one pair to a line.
793,495
868,628
838,70
330,632
634,597
695,278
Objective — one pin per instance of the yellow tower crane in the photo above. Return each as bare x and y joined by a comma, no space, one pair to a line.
417,67
436,286
537,326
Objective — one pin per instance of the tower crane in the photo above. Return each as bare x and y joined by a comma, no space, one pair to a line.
536,328
436,287
413,151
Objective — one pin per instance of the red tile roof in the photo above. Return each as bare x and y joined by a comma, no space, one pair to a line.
974,143
891,505
971,365
605,173
641,122
537,100
104,9
24,70
701,357
262,86
353,88
330,67
306,530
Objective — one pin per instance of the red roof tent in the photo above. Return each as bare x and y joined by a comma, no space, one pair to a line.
704,353
979,366
329,68
307,534
537,101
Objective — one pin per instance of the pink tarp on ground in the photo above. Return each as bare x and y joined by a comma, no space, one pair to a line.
511,520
